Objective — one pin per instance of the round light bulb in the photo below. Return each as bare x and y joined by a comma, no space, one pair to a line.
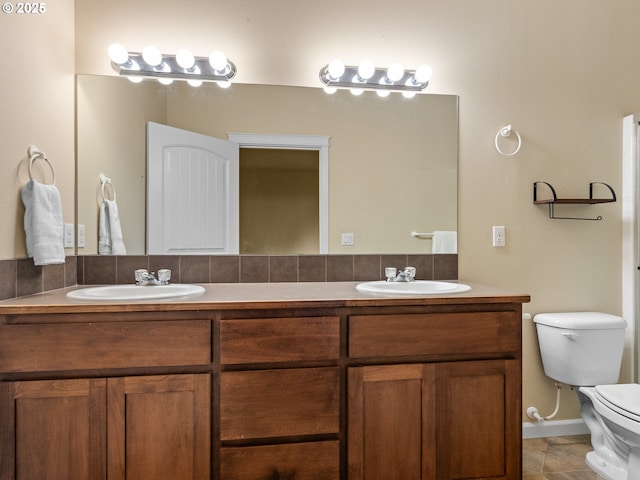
383,93
118,54
408,94
423,74
224,84
366,70
335,69
330,90
395,72
194,83
218,60
185,59
135,79
357,91
152,56
165,81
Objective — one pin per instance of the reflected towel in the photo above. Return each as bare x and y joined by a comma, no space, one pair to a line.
110,241
43,224
444,242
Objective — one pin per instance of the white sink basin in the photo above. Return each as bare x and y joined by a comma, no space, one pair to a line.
417,287
135,292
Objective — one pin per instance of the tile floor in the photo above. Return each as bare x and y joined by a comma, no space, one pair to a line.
557,458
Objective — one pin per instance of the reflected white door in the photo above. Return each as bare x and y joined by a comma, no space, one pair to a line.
192,192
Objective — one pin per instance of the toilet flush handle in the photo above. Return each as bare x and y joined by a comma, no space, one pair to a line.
570,336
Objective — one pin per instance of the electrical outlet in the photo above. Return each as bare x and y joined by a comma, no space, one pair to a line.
68,235
80,236
347,239
499,236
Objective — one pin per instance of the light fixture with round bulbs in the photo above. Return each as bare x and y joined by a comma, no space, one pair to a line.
366,76
150,63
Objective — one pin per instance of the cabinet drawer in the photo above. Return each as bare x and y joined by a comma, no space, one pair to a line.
302,461
279,403
279,340
434,334
86,346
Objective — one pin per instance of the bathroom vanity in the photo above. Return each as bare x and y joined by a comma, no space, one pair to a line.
304,381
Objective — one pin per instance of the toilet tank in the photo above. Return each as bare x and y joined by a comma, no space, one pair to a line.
581,348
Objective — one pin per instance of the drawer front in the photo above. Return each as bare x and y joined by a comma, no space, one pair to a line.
279,340
434,334
279,403
302,461
86,346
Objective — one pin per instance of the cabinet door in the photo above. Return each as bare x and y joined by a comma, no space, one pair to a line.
54,429
479,424
159,427
391,422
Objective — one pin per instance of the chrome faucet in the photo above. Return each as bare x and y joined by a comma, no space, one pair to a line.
146,278
407,274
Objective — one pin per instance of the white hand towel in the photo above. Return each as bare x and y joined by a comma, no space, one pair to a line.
110,240
43,224
444,242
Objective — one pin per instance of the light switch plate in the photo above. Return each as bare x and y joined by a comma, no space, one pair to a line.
347,239
68,235
80,236
499,236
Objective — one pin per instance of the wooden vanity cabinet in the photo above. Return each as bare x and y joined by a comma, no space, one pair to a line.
145,427
68,412
455,417
363,389
280,398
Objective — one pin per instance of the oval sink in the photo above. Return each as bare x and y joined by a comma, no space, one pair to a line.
417,287
135,292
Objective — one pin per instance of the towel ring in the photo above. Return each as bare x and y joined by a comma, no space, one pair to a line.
506,133
35,154
104,181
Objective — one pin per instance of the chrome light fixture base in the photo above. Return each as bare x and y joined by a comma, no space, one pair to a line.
134,66
351,79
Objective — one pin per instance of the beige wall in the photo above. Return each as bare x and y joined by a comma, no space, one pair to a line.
36,107
563,72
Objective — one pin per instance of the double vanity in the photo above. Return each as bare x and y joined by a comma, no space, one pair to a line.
295,381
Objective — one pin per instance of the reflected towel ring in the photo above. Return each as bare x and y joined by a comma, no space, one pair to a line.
104,181
35,154
506,133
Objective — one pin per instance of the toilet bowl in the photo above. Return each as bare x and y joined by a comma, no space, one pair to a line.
584,349
612,414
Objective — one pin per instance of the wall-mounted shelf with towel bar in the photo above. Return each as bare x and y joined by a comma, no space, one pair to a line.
551,202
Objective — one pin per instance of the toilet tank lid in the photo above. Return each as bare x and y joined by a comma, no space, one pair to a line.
581,320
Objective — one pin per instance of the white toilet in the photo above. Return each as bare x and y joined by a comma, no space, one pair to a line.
584,349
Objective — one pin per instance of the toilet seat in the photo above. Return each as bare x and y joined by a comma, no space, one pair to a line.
623,399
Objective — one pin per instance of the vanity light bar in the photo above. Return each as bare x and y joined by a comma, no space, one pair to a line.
150,63
365,76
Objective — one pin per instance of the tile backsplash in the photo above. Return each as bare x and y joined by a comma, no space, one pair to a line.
20,277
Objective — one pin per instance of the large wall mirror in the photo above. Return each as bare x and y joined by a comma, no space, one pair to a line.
392,161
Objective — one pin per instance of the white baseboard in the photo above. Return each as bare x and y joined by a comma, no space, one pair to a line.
554,428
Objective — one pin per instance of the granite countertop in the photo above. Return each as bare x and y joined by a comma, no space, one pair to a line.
224,296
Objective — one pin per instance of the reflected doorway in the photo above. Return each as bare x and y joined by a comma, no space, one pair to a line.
297,158
279,201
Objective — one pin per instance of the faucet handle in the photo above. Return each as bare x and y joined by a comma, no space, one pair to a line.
164,275
390,273
410,273
140,274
